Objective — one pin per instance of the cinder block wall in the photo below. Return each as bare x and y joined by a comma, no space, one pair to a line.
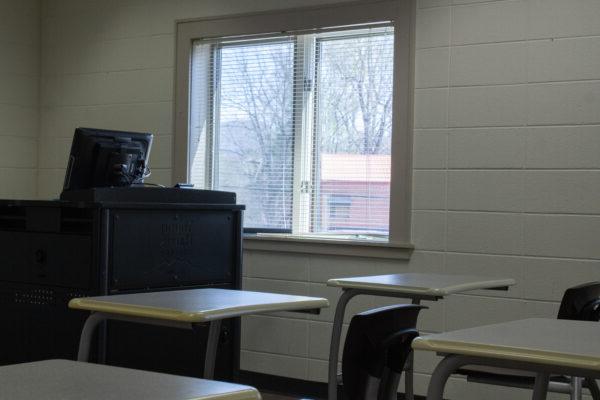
19,97
110,64
506,155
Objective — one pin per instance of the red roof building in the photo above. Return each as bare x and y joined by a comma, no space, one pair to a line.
354,193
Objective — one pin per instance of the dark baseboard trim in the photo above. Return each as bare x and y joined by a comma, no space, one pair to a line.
290,386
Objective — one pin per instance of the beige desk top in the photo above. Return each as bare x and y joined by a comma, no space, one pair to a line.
197,305
537,340
420,283
71,380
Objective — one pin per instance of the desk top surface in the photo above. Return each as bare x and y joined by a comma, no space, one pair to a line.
197,305
71,380
537,340
424,284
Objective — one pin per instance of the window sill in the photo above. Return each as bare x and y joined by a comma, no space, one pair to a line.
340,247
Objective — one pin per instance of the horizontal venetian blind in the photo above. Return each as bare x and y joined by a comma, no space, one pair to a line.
352,126
299,126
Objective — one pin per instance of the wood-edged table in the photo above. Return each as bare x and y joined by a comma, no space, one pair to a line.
414,286
540,345
72,380
187,309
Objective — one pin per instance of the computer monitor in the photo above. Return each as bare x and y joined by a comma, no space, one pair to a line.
101,158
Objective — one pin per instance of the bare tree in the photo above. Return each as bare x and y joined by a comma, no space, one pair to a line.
355,88
354,95
260,95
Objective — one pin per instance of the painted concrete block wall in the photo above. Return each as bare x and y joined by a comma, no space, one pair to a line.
111,65
19,97
506,155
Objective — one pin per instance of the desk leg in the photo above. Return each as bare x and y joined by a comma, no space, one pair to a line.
334,349
214,330
441,374
87,333
540,389
576,387
409,391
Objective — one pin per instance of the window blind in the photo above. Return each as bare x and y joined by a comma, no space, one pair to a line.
299,126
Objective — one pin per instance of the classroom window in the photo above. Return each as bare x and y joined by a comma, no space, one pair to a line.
300,124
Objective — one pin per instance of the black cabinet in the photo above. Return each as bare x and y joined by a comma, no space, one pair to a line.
53,251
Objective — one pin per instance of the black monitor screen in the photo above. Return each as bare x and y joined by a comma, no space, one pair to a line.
101,158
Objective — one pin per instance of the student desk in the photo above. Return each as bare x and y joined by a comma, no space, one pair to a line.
543,346
414,286
186,309
71,380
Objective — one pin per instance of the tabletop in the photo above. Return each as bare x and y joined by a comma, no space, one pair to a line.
424,284
538,340
197,305
71,380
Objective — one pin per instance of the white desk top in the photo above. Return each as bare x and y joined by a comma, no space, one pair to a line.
71,380
438,285
197,305
538,340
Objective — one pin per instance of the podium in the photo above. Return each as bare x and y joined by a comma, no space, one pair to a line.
112,241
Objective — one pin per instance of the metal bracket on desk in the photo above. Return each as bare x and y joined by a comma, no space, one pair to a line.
96,318
452,362
379,293
503,288
315,311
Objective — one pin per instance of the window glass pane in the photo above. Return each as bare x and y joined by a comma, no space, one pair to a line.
353,120
298,126
254,137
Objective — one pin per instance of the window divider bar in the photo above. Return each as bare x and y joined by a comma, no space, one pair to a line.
303,60
305,149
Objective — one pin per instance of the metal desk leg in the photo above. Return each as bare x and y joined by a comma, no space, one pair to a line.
87,333
576,385
409,391
336,334
441,374
540,389
214,330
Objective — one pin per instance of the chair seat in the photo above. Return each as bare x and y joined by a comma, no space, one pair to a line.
377,345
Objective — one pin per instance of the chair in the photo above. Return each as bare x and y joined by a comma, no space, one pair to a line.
377,346
579,303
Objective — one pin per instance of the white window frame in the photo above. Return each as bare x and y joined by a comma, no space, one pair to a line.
310,19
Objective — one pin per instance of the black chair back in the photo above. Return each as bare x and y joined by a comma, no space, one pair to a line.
376,348
581,303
